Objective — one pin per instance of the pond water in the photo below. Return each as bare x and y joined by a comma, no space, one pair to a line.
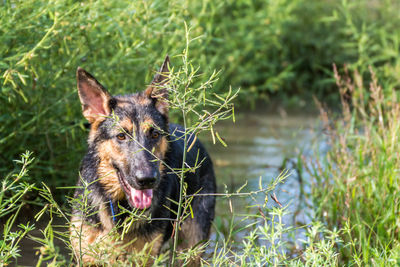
260,144
263,144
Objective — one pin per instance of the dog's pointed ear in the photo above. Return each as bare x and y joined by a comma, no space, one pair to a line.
158,90
94,97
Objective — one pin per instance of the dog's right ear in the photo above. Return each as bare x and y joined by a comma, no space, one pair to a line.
94,97
157,90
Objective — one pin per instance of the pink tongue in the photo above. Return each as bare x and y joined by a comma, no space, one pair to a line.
141,199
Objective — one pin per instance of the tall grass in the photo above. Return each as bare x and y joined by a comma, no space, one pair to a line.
263,229
357,184
14,187
267,48
264,234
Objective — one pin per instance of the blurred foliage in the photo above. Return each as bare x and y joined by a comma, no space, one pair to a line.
281,48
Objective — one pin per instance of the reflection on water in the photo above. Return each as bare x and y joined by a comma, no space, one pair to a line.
262,145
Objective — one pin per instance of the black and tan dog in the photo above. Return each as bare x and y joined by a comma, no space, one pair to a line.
131,164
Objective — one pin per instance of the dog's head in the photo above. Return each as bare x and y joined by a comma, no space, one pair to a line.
128,135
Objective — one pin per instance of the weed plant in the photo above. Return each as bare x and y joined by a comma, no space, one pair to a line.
263,242
13,189
357,184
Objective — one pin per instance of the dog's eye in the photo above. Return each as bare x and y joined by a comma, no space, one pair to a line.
155,134
121,136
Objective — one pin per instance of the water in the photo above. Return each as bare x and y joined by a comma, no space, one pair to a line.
260,144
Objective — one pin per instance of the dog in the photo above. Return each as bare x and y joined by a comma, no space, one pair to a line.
131,165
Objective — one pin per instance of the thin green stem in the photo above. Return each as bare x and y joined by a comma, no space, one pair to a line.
182,176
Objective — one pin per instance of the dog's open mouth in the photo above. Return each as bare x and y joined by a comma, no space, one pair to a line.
140,199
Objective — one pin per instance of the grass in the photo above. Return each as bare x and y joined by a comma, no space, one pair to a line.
282,49
269,49
357,184
355,194
13,189
263,243
263,229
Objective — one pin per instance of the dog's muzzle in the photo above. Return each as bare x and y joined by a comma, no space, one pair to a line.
139,199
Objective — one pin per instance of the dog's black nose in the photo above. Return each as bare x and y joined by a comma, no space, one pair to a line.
146,180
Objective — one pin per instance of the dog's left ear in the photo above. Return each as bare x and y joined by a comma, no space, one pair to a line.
158,90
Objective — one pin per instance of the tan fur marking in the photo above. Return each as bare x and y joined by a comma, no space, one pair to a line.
162,106
147,124
190,233
162,167
143,100
123,103
105,217
127,125
154,244
163,147
93,128
189,236
160,152
97,245
107,174
85,240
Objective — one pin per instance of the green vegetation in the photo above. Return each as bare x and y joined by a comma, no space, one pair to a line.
358,185
13,188
279,48
264,243
282,49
